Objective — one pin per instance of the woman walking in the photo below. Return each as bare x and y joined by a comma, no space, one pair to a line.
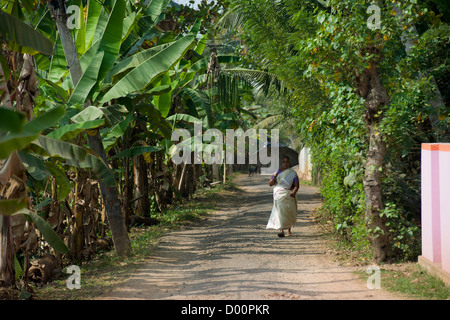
284,211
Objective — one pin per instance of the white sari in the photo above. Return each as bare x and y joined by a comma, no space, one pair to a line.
284,211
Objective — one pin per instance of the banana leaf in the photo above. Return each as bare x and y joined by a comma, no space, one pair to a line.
22,37
29,131
46,230
35,166
87,80
44,121
135,151
11,206
72,130
132,62
11,120
119,129
62,182
163,101
183,117
141,76
17,141
76,156
88,114
94,9
155,7
111,37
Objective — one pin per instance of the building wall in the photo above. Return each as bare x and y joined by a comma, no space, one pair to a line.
304,166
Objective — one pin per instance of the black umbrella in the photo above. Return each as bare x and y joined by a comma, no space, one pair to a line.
282,151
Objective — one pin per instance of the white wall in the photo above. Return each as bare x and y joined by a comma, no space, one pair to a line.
304,164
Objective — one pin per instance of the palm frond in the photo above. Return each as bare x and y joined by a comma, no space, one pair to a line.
269,122
262,81
233,19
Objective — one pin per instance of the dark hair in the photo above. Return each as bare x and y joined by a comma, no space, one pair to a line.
286,157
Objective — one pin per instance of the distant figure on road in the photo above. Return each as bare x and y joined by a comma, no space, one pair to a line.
284,211
252,170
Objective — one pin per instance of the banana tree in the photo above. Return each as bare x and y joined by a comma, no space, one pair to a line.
15,133
103,75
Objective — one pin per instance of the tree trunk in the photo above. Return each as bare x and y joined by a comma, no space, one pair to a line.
6,238
7,273
141,182
141,186
110,194
178,168
215,172
78,212
189,187
69,48
126,194
12,171
224,173
181,184
380,235
12,186
112,204
376,98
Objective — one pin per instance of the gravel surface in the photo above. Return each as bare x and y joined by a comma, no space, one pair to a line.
231,255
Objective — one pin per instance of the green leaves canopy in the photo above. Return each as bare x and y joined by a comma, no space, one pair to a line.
21,37
141,76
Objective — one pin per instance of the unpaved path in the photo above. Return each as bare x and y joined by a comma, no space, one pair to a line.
232,256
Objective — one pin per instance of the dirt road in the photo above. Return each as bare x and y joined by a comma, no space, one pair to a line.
232,256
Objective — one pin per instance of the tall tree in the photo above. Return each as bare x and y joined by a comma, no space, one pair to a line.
327,51
110,193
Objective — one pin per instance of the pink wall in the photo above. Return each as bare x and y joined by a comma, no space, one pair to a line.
436,203
444,187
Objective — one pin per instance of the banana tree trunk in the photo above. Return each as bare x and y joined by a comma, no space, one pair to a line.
78,212
141,178
141,186
224,173
7,274
181,184
69,48
6,237
110,194
112,203
12,171
126,194
12,186
215,172
190,181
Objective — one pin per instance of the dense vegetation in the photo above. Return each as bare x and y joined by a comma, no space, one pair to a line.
90,97
363,98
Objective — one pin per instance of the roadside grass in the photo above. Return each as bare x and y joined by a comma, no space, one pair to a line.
106,271
410,280
407,279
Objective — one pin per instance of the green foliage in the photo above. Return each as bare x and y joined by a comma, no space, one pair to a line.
21,37
320,54
11,206
21,134
406,232
47,231
135,151
141,76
